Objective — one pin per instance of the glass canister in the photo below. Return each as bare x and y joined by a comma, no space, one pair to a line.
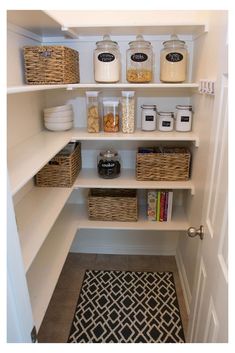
173,61
139,61
148,117
128,111
165,121
111,116
107,61
183,118
108,164
93,111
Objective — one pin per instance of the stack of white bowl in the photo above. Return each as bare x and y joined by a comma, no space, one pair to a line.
59,118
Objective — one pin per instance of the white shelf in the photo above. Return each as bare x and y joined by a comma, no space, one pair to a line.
45,270
88,178
139,135
28,157
36,213
178,222
166,88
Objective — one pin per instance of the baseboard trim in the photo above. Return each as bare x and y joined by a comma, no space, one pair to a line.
184,281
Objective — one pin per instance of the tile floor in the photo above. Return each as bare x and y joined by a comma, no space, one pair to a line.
56,325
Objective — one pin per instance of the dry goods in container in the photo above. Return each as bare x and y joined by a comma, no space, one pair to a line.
111,116
128,111
139,61
107,61
165,121
173,62
93,111
183,118
148,117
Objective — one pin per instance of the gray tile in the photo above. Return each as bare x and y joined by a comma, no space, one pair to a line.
111,262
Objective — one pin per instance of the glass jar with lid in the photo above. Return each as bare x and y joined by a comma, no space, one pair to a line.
183,119
148,117
139,61
107,61
108,164
165,121
111,116
173,61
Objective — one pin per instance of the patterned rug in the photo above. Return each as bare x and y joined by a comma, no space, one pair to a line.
127,307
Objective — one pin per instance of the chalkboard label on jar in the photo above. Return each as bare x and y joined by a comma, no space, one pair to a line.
149,117
184,119
106,57
174,57
139,57
166,123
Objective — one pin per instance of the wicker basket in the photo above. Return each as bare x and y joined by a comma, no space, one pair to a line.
61,171
51,65
113,205
164,166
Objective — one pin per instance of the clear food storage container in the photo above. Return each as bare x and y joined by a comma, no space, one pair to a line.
173,61
111,116
139,61
93,111
107,61
128,111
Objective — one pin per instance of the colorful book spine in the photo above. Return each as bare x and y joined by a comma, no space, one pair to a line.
158,205
170,203
165,206
151,205
162,203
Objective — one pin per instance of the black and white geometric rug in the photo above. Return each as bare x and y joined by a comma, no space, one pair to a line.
127,307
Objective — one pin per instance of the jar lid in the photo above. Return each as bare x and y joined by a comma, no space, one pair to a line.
149,106
128,93
110,103
174,42
108,153
184,107
171,114
140,42
106,41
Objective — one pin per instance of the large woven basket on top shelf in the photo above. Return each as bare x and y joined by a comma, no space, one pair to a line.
164,166
60,171
113,205
51,65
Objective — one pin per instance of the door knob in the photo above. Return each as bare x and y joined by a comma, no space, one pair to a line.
193,232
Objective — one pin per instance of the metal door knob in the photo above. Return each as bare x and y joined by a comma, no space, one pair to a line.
193,232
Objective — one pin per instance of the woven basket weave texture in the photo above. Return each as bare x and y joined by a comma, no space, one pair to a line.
113,205
51,65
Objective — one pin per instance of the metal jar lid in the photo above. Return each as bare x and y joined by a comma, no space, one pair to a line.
171,114
184,107
108,154
149,106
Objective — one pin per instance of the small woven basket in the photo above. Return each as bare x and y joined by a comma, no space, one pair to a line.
60,171
51,65
113,205
164,166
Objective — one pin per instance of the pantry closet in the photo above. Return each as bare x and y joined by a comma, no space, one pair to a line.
53,221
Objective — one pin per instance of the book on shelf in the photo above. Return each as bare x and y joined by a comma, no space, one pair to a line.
159,205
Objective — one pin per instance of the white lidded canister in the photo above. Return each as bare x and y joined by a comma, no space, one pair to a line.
148,117
165,121
183,118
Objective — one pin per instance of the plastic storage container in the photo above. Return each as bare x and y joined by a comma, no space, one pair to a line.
111,116
108,164
183,119
93,111
128,111
148,117
107,61
173,61
165,121
139,61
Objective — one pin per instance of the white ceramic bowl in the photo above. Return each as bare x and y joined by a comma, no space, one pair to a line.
64,114
59,126
65,119
59,108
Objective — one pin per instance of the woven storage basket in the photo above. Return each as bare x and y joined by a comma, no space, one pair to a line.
164,166
51,65
113,205
61,171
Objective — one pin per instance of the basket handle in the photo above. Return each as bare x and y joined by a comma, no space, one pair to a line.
46,53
